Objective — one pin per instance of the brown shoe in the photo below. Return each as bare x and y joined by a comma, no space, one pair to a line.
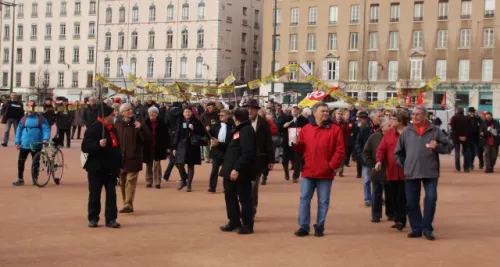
126,209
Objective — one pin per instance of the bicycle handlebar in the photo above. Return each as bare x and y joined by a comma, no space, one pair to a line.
50,144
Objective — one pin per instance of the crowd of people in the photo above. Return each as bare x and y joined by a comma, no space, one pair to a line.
396,151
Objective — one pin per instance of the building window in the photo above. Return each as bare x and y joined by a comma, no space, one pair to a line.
294,16
135,14
76,29
74,79
133,66
18,79
201,39
311,42
466,10
152,13
243,42
92,8
151,40
441,69
91,29
371,96
109,15
372,71
121,40
277,39
394,40
465,37
184,38
34,31
168,67
119,64
418,39
389,95
373,41
90,79
488,37
463,70
5,79
47,55
6,32
255,43
352,95
78,7
395,12
418,11
293,42
442,40
332,41
135,40
19,56
443,10
489,8
353,70
34,10
312,67
332,70
354,14
48,10
416,69
76,55
20,11
393,71
185,11
91,56
63,11
256,72
183,67
170,12
20,32
121,14
334,15
5,55
48,31
46,79
353,41
243,69
278,16
313,13
374,13
107,41
487,70
201,11
62,31
32,79
62,55
170,39
107,67
293,74
245,9
199,67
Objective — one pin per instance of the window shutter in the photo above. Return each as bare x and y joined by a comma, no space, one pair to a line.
325,70
337,70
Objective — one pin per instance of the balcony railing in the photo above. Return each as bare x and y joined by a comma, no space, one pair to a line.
489,13
442,17
244,22
373,20
394,19
418,18
465,16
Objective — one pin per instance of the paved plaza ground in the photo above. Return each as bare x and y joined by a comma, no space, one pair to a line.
48,226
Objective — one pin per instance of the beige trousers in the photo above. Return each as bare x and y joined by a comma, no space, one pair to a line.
153,172
128,183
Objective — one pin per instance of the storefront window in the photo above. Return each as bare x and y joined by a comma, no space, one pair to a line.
462,99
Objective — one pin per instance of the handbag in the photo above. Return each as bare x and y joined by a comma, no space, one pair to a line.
197,140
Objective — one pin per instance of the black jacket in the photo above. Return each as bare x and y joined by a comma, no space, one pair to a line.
171,121
362,137
90,115
299,123
49,114
185,152
240,153
460,126
64,119
12,110
475,129
219,151
137,112
101,160
370,157
159,152
263,144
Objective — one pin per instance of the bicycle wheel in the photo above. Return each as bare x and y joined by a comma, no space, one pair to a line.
41,169
57,166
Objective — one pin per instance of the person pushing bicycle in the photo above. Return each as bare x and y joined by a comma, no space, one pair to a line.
33,130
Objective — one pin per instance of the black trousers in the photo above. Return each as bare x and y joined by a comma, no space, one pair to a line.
74,129
186,176
96,181
398,199
214,174
239,193
61,134
295,158
380,188
23,155
348,155
169,169
359,167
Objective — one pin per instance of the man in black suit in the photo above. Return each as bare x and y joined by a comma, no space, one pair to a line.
222,134
103,165
263,147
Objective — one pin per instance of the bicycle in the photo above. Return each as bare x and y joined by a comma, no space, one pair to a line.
43,163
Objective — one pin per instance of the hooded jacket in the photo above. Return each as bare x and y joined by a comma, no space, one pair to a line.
31,133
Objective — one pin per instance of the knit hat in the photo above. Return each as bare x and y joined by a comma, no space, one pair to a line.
105,110
471,109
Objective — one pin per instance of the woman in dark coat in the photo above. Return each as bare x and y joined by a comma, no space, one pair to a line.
182,148
156,148
237,173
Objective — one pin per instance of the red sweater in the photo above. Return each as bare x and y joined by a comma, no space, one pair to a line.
385,154
323,150
274,129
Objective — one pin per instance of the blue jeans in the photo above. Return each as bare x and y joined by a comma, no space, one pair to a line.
367,185
465,153
418,223
7,129
307,188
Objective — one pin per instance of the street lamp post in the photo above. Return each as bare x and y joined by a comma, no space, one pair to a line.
273,66
13,5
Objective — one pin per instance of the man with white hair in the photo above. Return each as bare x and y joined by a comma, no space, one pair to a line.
417,152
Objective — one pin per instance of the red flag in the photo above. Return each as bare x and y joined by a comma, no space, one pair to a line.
420,99
408,99
443,102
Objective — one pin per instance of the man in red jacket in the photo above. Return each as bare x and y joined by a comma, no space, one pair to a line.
322,145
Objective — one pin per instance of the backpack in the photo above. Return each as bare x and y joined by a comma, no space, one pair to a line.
40,120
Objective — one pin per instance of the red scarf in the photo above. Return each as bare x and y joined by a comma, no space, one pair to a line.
109,127
421,129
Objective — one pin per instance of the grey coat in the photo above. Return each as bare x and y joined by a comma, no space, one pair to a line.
415,158
370,155
78,121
